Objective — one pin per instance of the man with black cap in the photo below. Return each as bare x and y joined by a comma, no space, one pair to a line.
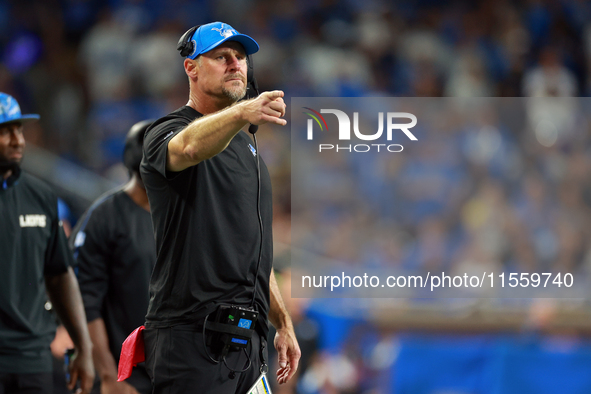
114,247
34,258
212,218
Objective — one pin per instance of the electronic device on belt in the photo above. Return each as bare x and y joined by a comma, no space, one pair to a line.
239,322
231,329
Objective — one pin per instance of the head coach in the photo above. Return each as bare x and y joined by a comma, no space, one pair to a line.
212,215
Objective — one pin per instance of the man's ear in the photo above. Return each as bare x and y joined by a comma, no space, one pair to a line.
191,68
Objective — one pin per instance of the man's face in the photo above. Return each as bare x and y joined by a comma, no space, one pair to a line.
222,71
12,143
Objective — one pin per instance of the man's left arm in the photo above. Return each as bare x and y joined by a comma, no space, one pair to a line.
285,340
65,297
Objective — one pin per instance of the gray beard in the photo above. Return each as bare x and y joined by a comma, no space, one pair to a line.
234,94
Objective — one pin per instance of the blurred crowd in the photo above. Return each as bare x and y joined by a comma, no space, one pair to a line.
514,196
91,67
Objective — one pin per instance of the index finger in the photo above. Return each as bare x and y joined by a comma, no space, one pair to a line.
293,363
274,94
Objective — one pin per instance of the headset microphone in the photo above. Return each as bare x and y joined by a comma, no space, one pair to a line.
253,128
254,87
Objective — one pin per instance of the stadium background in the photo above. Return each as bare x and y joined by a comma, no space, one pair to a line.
92,68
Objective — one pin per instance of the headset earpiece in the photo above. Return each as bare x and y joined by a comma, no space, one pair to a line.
185,45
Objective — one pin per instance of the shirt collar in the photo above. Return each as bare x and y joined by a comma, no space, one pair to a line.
12,179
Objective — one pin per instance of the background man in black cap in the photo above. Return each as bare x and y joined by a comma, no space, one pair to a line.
34,257
200,172
114,248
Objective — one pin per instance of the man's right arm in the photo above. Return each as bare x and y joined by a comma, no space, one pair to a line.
209,135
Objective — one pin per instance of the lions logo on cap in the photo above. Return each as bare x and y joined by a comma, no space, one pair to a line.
225,32
7,107
11,112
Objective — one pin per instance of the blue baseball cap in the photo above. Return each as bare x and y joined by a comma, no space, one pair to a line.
210,36
11,112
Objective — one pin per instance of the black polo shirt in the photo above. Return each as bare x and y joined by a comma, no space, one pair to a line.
114,247
32,245
206,227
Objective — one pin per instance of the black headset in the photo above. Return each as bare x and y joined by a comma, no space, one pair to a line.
132,153
185,46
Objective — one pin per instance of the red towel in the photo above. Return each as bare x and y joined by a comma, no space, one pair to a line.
132,353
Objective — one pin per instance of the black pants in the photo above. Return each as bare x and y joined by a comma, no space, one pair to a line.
26,383
177,363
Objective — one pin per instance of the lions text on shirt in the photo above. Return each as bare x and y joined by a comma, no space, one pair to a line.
32,220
